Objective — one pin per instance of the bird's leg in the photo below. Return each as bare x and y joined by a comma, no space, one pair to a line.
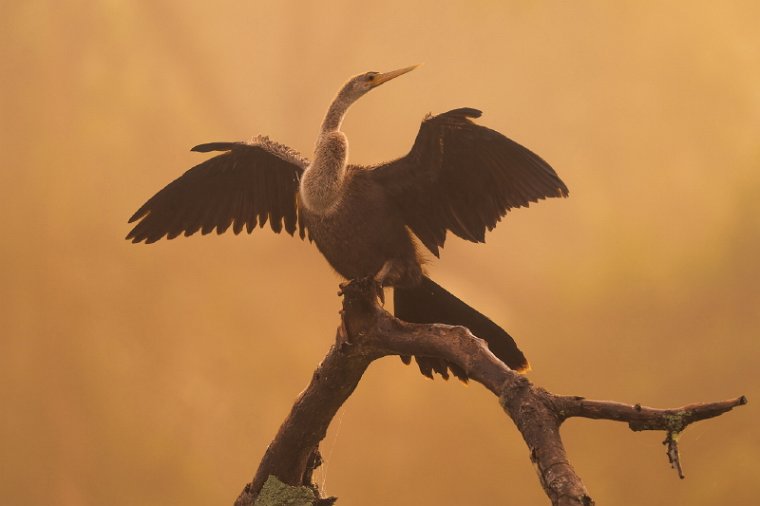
386,276
380,292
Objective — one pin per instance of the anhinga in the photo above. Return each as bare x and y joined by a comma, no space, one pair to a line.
459,177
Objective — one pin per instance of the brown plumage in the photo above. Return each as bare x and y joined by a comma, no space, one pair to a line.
458,176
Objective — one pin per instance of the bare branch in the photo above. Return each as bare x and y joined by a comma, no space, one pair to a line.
641,417
367,332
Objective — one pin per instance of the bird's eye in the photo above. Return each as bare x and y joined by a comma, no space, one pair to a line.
371,76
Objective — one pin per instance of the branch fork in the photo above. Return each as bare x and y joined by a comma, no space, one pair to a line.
367,332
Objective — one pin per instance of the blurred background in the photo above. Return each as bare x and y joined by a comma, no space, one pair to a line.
133,374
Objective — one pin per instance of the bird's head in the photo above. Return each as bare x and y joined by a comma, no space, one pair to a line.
357,86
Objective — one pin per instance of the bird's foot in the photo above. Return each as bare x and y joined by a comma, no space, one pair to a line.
379,291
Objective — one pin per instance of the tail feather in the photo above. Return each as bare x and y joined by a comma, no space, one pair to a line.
428,302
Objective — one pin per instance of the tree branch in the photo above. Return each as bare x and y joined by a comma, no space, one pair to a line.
368,332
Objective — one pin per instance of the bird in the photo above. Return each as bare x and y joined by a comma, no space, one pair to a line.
368,221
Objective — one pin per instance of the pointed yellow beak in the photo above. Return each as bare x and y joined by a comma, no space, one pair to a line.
387,76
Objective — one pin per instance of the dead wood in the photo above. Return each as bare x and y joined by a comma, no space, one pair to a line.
367,332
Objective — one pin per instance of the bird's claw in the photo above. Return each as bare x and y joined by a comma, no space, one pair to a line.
380,292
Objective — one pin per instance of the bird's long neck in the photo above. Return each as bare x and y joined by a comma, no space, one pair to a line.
322,181
336,113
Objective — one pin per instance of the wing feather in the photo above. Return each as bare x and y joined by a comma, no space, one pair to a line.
250,184
463,177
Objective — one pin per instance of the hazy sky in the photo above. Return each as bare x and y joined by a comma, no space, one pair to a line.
133,374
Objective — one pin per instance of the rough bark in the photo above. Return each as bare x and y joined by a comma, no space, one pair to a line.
368,332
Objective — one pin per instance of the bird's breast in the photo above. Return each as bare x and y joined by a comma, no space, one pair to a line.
361,233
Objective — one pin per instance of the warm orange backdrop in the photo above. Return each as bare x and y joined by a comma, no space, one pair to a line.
157,374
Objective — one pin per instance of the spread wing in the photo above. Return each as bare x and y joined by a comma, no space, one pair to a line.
251,183
463,177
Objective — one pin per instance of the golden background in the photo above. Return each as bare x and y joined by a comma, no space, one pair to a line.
153,375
